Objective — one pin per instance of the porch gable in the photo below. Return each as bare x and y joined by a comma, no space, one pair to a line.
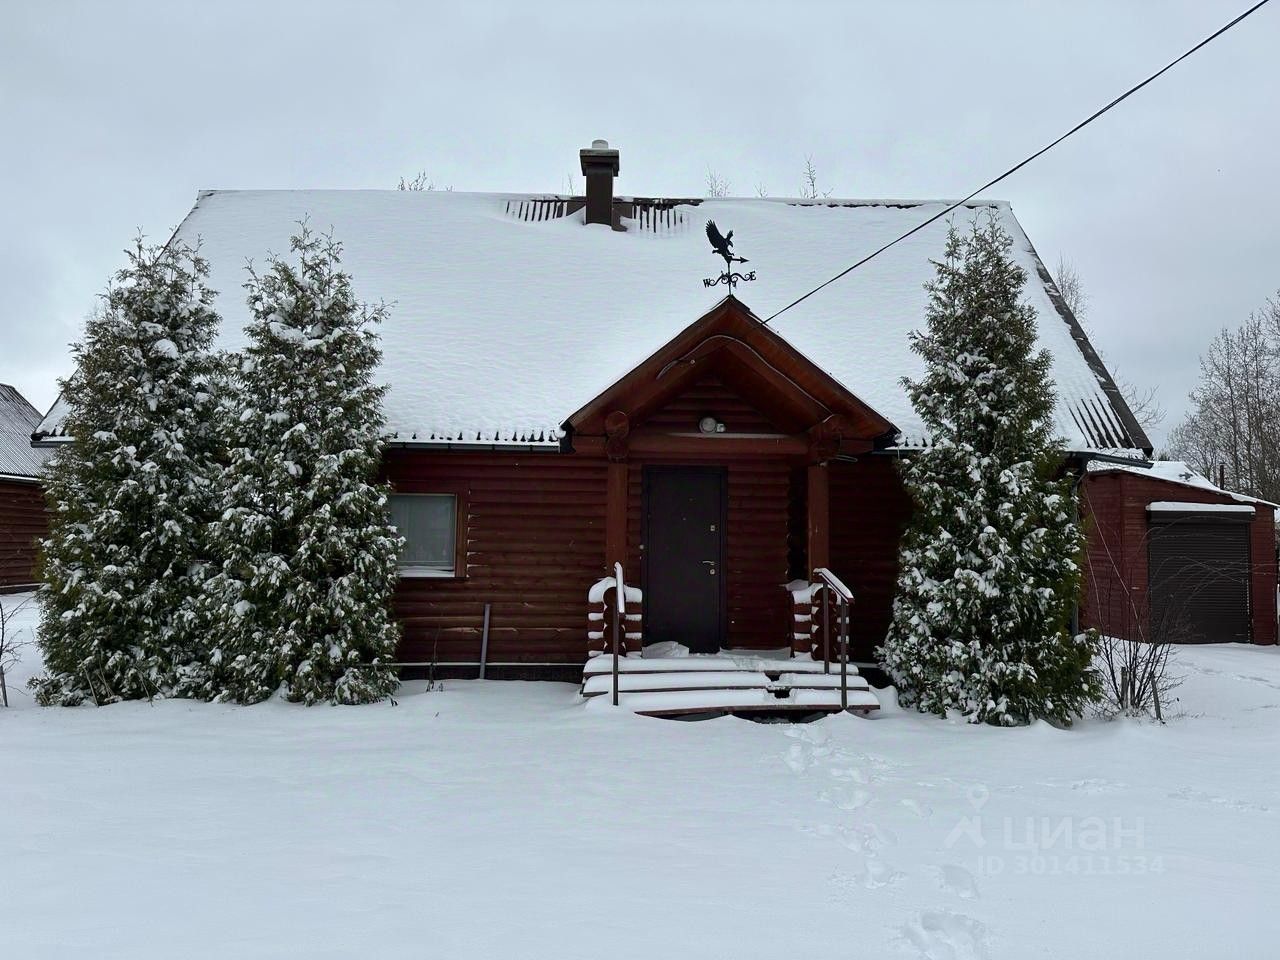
730,347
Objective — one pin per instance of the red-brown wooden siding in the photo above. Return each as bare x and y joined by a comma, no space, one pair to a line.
869,509
709,397
1116,571
23,522
534,535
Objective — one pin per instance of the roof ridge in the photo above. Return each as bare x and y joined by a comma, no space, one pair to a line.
896,202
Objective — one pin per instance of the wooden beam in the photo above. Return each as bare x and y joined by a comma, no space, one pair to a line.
615,525
713,446
819,521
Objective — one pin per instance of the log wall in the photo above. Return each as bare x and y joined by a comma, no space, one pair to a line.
533,530
23,522
869,509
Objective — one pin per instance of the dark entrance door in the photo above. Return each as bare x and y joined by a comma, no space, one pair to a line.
1199,578
684,518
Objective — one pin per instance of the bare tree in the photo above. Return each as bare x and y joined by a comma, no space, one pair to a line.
1234,423
1071,288
809,182
717,186
761,190
1143,403
1135,652
11,639
419,182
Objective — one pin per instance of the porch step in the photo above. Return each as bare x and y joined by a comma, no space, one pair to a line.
676,703
707,685
716,663
602,683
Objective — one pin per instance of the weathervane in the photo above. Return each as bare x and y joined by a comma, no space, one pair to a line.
723,246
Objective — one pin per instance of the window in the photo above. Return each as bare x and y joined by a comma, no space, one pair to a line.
429,524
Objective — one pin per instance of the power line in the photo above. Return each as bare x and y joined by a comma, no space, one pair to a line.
1014,169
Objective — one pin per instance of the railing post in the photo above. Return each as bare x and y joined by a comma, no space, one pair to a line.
844,655
619,618
617,622
826,629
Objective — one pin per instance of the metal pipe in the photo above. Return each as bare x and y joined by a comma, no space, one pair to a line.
484,641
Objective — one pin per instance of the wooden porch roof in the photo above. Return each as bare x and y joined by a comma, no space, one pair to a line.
731,343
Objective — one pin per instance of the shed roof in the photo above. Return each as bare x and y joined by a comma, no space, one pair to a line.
1175,472
507,313
18,419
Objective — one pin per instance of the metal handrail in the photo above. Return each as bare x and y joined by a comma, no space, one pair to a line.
830,579
824,579
619,616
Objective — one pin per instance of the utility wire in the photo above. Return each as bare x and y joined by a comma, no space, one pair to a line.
1012,170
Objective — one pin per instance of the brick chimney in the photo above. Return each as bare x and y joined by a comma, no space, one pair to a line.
599,166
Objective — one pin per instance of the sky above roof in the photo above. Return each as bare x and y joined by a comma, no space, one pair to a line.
116,115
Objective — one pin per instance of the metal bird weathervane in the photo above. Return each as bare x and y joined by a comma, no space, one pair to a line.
723,246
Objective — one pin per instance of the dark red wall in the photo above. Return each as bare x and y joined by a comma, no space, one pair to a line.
534,535
1114,505
22,523
869,509
533,530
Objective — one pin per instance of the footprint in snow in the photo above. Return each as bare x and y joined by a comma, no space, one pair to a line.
1200,796
846,799
869,873
880,874
841,886
1262,680
798,758
1096,785
943,935
956,879
867,837
921,810
850,773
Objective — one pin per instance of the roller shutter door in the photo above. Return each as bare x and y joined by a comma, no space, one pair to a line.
1199,578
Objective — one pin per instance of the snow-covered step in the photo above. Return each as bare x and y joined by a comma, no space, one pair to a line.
672,703
826,681
712,663
602,683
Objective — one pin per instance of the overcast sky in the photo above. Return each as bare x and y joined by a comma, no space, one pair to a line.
113,116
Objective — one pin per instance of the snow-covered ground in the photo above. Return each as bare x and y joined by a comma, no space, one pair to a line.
506,820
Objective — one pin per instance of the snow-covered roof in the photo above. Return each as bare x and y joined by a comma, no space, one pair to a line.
1177,506
18,419
1174,471
507,314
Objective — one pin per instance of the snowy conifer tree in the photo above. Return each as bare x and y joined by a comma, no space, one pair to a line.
130,494
309,556
981,621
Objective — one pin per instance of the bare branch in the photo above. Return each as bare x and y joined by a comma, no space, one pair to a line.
717,186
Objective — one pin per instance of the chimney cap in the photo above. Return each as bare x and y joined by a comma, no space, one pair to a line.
599,158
